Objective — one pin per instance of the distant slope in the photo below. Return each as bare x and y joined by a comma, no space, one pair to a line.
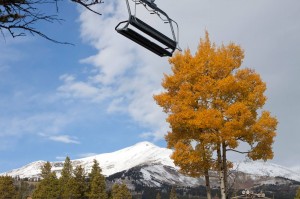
155,166
111,163
261,168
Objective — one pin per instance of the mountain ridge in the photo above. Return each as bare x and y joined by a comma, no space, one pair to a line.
154,159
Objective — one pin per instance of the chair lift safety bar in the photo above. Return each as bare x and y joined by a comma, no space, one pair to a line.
164,45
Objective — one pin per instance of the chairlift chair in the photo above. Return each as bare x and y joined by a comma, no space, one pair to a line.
159,44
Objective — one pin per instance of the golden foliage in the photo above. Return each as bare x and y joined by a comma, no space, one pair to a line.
190,158
210,100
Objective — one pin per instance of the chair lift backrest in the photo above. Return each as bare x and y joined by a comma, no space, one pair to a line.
169,44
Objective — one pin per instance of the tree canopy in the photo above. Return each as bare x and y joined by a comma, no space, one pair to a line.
213,105
120,191
158,196
78,183
66,179
49,186
97,184
73,183
7,188
173,194
298,194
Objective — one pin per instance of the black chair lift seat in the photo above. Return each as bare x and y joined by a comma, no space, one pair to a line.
167,47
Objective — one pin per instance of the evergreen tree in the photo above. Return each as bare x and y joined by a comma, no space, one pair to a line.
46,170
24,189
7,188
97,184
120,191
298,194
173,194
48,188
78,183
66,179
158,196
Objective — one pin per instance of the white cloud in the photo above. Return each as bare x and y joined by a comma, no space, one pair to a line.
60,158
64,139
128,75
116,105
86,90
123,73
48,125
85,155
79,89
44,123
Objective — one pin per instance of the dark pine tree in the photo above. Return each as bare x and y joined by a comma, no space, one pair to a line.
120,191
48,188
66,179
7,188
97,184
78,183
173,194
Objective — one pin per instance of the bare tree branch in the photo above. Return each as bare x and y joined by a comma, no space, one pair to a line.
242,152
19,17
87,4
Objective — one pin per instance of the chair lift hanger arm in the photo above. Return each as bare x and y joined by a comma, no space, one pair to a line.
152,5
130,33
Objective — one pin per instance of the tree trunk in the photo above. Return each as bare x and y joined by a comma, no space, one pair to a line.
206,174
221,172
207,184
224,159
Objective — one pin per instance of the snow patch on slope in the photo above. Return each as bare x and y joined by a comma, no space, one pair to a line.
157,165
161,173
31,170
141,153
261,168
111,163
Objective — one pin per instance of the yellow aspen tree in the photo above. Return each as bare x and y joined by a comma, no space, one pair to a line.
190,158
212,102
298,194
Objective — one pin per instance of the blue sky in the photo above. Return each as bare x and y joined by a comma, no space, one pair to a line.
96,96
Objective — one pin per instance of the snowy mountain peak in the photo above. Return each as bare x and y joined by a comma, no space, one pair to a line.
139,154
152,157
124,159
144,144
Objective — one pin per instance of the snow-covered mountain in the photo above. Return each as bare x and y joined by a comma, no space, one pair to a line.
153,165
296,169
143,153
260,168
